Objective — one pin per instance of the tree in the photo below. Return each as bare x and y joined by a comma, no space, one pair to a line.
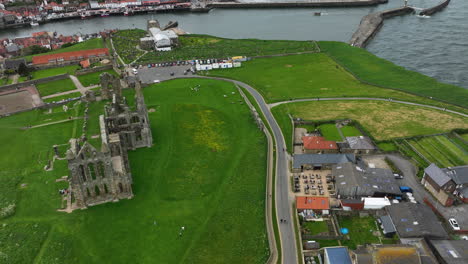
23,70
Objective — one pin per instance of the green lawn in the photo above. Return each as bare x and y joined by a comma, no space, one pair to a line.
360,230
55,71
383,120
55,87
95,43
350,131
93,78
206,172
315,227
209,47
59,98
378,71
330,132
387,146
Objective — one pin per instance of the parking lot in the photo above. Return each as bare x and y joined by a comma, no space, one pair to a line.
150,75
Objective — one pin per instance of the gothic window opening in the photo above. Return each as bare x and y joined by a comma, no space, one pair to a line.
105,188
82,173
120,187
96,190
101,170
92,171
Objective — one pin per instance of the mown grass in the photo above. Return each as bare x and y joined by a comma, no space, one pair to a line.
62,97
55,71
381,72
315,227
206,172
350,131
208,47
95,43
330,132
383,120
54,87
360,230
387,146
93,78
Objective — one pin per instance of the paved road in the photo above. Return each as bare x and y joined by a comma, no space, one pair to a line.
366,99
283,204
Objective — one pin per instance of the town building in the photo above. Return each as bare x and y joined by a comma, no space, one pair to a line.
447,184
386,223
450,251
386,254
412,220
336,255
71,57
13,65
303,162
358,145
352,181
158,39
319,205
318,145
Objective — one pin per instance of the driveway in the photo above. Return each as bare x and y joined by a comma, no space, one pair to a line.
460,212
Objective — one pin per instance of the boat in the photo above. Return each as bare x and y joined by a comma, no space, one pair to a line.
84,16
317,13
105,14
128,12
34,23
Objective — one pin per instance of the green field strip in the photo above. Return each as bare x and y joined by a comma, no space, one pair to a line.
460,154
439,150
431,153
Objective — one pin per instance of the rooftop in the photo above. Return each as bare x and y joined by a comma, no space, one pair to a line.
72,55
319,159
314,142
458,174
415,220
437,175
354,181
338,255
312,203
451,251
360,142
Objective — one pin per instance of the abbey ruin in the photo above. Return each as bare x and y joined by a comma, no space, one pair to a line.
101,176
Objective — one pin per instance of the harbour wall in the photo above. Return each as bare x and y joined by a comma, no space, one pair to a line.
372,23
437,8
312,3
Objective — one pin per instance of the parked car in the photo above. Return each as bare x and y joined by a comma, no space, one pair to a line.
149,65
454,224
405,189
398,176
134,71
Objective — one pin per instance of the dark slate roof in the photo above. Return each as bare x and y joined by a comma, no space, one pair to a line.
12,48
458,174
338,255
451,251
354,181
387,224
437,175
302,159
360,142
413,220
13,64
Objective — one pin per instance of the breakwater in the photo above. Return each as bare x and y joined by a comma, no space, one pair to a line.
310,3
437,8
371,24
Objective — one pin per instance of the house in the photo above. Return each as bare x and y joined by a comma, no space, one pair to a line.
315,144
359,145
303,162
450,251
13,64
319,205
459,176
439,184
352,181
387,226
70,57
413,220
386,254
336,255
161,40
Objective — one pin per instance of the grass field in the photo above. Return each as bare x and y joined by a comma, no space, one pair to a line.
55,71
206,172
315,227
350,131
95,43
383,120
209,47
330,132
441,150
93,78
54,87
360,230
387,146
59,98
378,71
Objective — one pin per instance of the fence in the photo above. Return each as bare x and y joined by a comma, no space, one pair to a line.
93,70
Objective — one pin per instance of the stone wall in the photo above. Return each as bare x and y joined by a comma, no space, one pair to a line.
11,87
319,3
93,70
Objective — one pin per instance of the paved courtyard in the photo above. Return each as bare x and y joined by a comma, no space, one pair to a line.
314,183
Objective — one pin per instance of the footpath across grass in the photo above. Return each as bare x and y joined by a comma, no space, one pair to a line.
54,87
383,120
375,70
205,172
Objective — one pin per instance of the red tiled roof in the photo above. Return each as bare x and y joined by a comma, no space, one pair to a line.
312,203
72,55
85,63
318,143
